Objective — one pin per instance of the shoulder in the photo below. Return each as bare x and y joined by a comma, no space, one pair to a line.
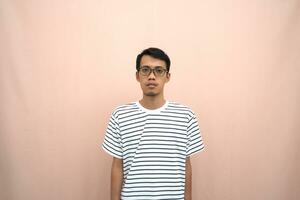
124,108
180,107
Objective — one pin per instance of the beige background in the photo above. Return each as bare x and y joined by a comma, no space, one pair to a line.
65,65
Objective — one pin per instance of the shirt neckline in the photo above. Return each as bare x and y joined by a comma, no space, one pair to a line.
152,111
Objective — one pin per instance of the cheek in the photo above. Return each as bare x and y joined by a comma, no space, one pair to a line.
142,85
142,82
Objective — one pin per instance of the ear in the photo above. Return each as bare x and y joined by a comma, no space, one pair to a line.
137,76
168,76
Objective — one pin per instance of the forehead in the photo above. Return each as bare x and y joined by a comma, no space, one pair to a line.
152,62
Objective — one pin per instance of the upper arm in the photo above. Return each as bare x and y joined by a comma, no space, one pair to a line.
112,143
188,165
117,163
195,143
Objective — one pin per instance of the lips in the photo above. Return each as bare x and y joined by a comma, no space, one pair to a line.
151,84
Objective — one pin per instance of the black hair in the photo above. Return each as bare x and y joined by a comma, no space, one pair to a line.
155,53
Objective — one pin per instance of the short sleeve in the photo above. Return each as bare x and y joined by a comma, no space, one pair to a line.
112,141
195,143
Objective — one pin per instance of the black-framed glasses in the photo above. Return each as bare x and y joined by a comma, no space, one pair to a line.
158,71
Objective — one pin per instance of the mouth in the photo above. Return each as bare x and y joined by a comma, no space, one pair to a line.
151,85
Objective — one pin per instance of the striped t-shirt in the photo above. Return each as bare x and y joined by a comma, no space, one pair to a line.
154,145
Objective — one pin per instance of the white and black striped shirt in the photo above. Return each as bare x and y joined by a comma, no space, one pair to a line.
154,145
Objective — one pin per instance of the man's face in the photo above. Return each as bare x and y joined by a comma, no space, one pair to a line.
153,84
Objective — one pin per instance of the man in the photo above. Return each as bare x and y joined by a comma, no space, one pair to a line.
151,140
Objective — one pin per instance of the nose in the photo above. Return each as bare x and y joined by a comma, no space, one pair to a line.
151,75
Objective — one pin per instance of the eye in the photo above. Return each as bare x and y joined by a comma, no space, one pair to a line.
144,69
159,70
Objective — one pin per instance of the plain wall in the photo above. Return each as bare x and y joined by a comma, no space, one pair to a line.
65,65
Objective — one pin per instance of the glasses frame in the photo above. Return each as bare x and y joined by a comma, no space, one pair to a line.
153,70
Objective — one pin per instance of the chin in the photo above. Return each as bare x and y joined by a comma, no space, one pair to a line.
150,94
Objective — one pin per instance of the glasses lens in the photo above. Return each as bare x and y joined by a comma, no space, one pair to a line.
159,71
145,70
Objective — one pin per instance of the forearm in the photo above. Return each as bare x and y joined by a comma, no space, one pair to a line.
116,179
188,180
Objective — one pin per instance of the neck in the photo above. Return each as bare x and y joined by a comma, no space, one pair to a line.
152,102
